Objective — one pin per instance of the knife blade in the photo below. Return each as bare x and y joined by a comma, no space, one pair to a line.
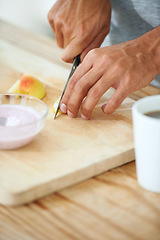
76,62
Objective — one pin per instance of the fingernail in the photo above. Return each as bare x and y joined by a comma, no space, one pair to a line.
70,114
103,106
63,108
84,117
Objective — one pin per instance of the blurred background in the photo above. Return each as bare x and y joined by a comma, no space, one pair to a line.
28,14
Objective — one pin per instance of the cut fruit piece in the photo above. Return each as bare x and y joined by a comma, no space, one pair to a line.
55,105
28,85
14,88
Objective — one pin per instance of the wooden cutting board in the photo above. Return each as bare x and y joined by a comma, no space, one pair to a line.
67,150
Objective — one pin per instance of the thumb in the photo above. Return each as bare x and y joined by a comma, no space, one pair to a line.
73,49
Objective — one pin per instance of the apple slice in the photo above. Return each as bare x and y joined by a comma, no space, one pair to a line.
55,105
14,88
28,85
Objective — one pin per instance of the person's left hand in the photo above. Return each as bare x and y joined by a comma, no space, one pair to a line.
80,25
127,67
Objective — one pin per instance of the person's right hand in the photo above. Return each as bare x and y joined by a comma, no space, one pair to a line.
126,67
80,25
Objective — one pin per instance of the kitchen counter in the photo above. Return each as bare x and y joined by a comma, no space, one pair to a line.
109,206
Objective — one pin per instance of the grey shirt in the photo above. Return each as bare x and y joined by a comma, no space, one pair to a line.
132,18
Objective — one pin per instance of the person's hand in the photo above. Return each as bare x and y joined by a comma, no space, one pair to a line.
80,26
127,67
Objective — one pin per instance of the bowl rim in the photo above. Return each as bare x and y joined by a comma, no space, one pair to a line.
32,98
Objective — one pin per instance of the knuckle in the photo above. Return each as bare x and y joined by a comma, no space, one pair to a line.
72,107
83,34
49,15
120,65
105,58
67,30
116,101
57,21
86,111
80,88
72,82
113,103
111,106
92,53
95,93
129,82
82,31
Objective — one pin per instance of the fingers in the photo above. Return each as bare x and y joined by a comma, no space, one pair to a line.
81,90
85,93
75,47
78,26
72,49
115,101
57,26
84,67
66,35
81,45
93,96
50,19
59,36
85,90
78,88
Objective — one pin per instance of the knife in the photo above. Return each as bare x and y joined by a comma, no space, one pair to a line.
76,62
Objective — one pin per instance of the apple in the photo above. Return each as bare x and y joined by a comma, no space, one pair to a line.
29,85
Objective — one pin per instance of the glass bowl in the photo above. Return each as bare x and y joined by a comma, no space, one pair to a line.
21,118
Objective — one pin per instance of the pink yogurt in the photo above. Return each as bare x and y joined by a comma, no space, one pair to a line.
18,125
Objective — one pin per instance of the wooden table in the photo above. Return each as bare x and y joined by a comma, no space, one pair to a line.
109,206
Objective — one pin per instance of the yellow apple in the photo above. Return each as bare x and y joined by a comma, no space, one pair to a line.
28,85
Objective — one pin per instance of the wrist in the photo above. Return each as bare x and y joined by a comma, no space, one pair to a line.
152,45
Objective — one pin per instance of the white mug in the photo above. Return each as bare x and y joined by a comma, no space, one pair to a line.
147,142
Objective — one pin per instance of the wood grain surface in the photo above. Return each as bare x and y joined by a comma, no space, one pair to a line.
109,206
68,150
